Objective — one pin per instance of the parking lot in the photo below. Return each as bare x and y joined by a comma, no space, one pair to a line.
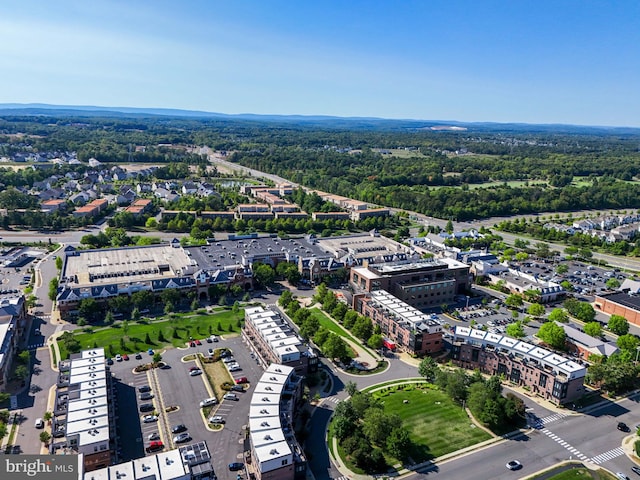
175,387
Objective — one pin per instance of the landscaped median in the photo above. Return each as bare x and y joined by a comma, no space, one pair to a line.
139,336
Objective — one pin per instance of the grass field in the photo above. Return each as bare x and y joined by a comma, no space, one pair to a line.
436,424
581,474
185,326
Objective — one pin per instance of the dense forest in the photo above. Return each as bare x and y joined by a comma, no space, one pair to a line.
466,174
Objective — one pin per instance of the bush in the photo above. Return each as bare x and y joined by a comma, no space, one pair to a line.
636,447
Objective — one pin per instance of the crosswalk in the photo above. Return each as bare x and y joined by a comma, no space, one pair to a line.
35,346
552,418
610,455
332,399
341,478
562,443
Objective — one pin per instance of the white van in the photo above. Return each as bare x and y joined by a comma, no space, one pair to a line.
39,423
208,401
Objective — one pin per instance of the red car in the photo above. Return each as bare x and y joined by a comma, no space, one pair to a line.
242,380
198,342
125,357
155,446
194,368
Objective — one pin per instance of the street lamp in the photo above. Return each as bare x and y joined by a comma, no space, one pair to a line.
637,351
467,307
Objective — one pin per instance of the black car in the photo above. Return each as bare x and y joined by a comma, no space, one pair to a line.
138,356
146,407
225,353
635,470
178,428
236,466
623,427
144,388
237,388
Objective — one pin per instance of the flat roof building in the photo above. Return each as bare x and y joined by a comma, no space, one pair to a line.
275,453
547,374
83,418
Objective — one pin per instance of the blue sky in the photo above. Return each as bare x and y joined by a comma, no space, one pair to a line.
505,61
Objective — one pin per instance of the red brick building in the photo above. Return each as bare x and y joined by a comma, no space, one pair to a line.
411,330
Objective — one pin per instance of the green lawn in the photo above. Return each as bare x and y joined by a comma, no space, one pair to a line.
581,474
335,327
185,325
436,424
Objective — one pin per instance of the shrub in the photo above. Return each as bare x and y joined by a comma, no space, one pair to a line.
636,447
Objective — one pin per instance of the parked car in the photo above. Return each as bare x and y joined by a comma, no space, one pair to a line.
149,418
237,388
183,437
216,419
109,361
234,367
235,466
194,367
155,446
198,342
621,476
178,428
242,380
125,357
208,401
118,358
146,396
210,352
209,340
39,423
153,436
150,351
230,396
147,407
635,470
225,353
514,465
138,356
144,388
229,359
196,372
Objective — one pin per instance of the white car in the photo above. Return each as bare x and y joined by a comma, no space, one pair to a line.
229,360
235,368
216,419
193,373
208,401
149,418
118,358
514,465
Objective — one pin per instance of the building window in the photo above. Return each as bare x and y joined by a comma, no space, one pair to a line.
543,380
284,462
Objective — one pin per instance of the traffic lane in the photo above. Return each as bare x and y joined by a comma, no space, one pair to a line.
34,402
534,452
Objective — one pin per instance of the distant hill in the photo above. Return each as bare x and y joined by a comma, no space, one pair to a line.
309,121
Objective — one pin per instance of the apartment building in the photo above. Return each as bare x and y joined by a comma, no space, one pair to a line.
83,416
406,327
275,453
547,374
274,341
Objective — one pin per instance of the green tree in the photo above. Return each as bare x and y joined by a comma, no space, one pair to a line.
286,297
377,425
399,443
22,372
363,328
263,274
336,347
514,301
375,341
618,324
535,310
428,368
627,342
593,329
562,269
558,315
157,357
59,263
612,283
24,357
515,330
553,335
45,437
53,288
309,327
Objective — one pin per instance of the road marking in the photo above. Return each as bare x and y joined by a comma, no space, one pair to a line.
552,418
332,399
610,455
564,444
